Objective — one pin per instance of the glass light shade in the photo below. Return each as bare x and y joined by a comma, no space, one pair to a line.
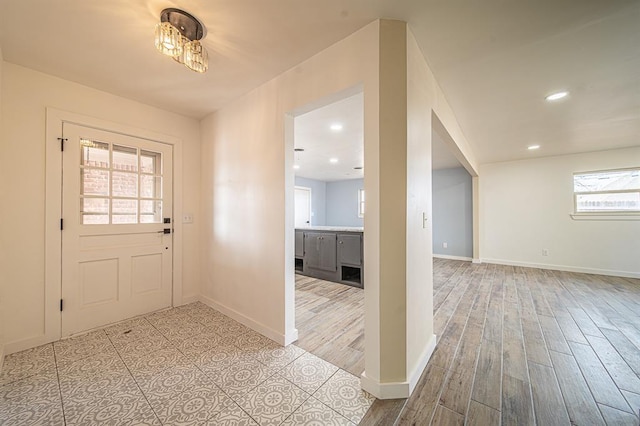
169,40
196,57
180,57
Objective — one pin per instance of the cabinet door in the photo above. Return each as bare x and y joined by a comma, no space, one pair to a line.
350,249
320,250
299,243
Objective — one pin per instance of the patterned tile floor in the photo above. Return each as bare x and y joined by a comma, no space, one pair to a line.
189,365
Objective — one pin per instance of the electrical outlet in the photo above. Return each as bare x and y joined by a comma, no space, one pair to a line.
545,252
187,218
445,245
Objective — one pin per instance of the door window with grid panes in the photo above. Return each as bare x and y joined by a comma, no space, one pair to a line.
119,184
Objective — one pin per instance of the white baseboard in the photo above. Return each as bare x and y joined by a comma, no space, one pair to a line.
476,261
1,357
446,256
624,274
424,359
283,339
21,345
393,390
396,390
189,299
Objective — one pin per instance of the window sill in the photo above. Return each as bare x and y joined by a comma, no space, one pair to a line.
605,216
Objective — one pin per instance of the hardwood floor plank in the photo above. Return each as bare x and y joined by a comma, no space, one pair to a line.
534,343
617,417
569,328
481,415
517,408
630,331
488,378
421,406
547,399
621,373
446,417
457,390
602,387
634,401
553,335
383,412
493,324
514,359
584,322
580,404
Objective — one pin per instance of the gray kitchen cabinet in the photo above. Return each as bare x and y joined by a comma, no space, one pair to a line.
350,268
320,251
299,244
332,255
350,249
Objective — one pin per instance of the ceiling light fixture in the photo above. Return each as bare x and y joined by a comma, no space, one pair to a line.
533,147
333,160
336,127
178,35
557,96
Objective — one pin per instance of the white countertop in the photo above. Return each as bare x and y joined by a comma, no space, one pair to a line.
332,228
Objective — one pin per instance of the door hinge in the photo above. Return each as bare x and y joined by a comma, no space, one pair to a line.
61,224
62,140
61,305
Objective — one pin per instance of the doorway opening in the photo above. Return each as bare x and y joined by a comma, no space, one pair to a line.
328,207
452,199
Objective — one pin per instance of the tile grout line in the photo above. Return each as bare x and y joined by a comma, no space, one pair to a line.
55,361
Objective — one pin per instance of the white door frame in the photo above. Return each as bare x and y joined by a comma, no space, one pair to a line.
53,210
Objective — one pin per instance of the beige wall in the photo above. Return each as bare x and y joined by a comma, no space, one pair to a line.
2,240
248,191
248,183
421,94
525,207
26,94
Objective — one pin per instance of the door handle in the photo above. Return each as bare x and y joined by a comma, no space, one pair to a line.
165,231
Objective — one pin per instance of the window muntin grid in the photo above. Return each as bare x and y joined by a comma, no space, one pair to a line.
119,184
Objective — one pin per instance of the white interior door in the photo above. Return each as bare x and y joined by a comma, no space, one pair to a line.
116,200
302,206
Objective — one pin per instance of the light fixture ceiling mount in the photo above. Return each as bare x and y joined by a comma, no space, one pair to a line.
178,35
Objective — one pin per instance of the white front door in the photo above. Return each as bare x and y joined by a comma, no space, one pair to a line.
116,204
302,206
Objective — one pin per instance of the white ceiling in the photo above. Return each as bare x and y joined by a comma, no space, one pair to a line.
313,133
494,60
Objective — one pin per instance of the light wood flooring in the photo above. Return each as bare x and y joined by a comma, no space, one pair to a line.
330,322
515,346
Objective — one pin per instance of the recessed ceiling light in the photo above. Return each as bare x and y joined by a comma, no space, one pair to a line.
333,160
336,127
296,166
533,147
556,96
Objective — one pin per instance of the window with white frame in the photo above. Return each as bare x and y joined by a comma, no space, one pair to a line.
360,202
607,191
